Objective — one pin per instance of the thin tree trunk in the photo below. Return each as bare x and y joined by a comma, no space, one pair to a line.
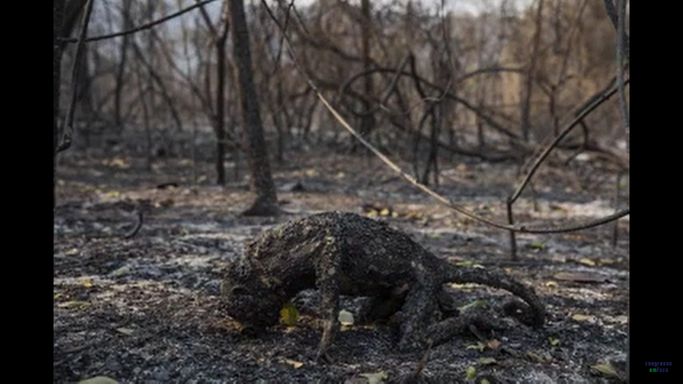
526,103
220,105
368,121
125,14
57,21
265,203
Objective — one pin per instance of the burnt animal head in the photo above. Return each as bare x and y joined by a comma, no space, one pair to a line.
248,300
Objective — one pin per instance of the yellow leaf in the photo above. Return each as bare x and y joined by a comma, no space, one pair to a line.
98,380
471,372
551,284
606,369
58,295
289,314
86,282
73,304
294,363
587,261
71,252
394,214
371,213
118,162
113,194
580,317
125,331
465,287
385,212
311,172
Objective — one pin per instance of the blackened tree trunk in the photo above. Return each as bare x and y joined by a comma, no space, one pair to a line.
531,69
254,142
220,107
368,121
57,21
121,70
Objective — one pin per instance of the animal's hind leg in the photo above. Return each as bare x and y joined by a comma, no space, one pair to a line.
327,281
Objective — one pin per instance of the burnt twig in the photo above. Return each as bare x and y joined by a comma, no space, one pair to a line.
141,27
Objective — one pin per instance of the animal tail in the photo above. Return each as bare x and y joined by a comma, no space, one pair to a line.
462,275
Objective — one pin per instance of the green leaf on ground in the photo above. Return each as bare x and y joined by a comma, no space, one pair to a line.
471,372
289,314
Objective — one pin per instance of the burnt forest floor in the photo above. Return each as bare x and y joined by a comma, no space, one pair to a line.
147,308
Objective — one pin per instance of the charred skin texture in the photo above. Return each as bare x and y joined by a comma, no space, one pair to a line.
347,254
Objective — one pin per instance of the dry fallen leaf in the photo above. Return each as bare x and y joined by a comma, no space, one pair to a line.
580,317
580,277
469,264
345,318
86,282
375,378
125,331
71,252
606,369
493,344
294,363
120,271
478,346
98,380
587,261
73,304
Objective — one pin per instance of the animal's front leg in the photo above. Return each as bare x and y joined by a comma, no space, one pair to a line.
328,283
418,313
